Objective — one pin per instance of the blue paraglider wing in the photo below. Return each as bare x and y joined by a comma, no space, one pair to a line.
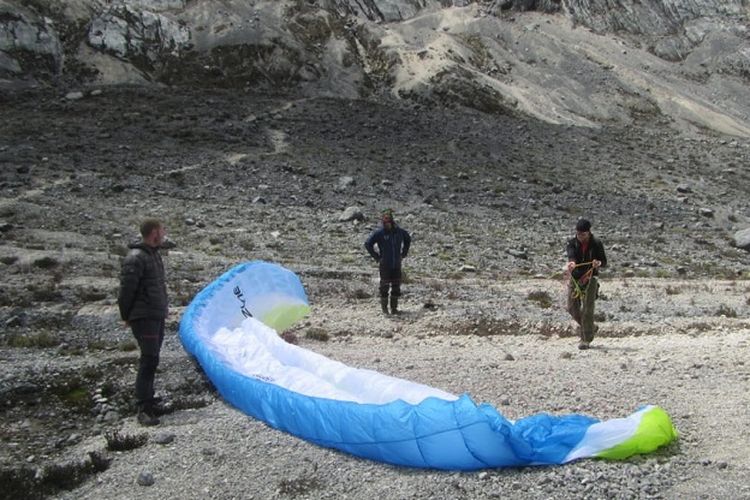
229,328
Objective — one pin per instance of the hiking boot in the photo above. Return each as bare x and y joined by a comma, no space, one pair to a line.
384,304
583,345
147,418
394,305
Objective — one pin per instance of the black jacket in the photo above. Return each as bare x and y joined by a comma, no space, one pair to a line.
392,245
575,253
143,290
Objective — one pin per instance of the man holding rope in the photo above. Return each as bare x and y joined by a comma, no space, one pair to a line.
585,257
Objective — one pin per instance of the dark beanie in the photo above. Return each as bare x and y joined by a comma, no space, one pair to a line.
583,225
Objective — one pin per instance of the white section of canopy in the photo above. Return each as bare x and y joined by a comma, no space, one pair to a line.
257,351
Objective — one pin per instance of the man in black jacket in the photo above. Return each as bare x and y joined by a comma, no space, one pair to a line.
143,307
585,257
393,245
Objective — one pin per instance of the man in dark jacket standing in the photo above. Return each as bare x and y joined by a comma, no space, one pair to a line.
393,245
585,257
143,307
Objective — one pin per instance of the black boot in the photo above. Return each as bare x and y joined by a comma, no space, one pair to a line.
147,416
394,304
384,304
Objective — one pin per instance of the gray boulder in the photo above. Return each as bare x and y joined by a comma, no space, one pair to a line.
351,213
741,239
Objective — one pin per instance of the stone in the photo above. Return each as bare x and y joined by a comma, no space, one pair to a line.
351,213
163,438
741,239
145,478
344,183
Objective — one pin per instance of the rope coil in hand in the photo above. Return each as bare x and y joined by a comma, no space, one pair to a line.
578,292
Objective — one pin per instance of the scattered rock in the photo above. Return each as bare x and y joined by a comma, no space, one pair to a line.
146,478
163,438
351,213
344,183
741,239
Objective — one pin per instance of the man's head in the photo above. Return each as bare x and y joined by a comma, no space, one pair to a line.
583,230
153,232
387,218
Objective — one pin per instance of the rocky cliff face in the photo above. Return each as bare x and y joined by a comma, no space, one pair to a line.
578,62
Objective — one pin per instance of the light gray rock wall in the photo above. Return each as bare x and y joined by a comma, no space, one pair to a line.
128,32
23,34
390,10
648,17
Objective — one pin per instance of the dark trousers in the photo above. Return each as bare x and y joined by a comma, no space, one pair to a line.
150,334
390,279
582,308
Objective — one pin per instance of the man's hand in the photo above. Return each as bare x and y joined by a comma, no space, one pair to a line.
570,266
596,263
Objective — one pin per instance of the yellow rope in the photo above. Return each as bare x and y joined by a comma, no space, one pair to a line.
577,292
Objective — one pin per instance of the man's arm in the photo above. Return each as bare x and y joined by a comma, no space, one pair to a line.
370,246
130,278
570,251
407,244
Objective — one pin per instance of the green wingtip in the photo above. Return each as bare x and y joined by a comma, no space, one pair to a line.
282,317
655,430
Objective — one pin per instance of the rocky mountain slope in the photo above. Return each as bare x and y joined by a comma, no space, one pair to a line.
577,62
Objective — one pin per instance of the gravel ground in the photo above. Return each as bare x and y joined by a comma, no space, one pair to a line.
700,378
489,201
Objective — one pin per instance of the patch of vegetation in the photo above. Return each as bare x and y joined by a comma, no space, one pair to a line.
41,340
127,346
247,244
98,345
317,334
302,486
19,483
9,260
45,292
124,442
290,338
92,295
481,56
670,290
725,310
541,297
46,262
77,397
26,482
361,294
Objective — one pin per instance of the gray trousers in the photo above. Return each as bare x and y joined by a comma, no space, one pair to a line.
582,308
